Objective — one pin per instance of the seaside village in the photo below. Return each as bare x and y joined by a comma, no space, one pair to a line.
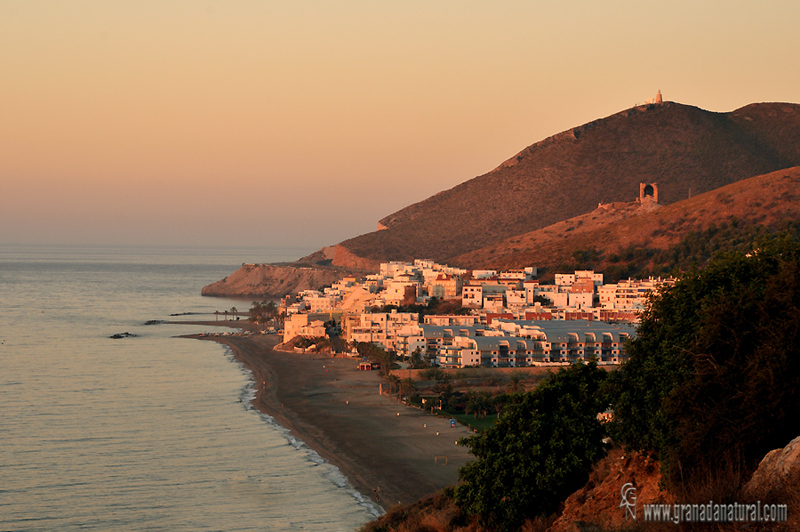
507,319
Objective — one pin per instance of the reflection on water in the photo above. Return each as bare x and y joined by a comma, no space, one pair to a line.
146,432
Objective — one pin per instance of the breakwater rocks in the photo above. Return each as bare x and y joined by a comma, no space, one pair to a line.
273,281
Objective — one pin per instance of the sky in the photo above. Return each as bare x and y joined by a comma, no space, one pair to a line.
302,123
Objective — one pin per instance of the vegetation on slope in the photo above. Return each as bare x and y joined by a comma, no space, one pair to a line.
623,240
539,452
714,375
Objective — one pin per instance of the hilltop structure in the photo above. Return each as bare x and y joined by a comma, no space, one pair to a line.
657,99
648,192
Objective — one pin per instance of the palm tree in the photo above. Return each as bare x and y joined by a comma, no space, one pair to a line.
407,386
234,310
216,312
394,383
515,383
499,403
478,403
271,309
473,404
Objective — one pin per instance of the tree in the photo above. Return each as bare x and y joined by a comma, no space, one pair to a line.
416,361
407,386
256,312
444,389
376,354
478,403
393,382
516,383
263,311
714,374
539,452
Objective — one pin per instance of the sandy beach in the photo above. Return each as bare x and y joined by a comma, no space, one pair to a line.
382,446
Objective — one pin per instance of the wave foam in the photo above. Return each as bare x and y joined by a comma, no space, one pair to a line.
334,475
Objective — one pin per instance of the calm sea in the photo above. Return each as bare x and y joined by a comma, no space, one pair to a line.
148,432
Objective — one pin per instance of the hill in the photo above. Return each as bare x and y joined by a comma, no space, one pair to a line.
274,280
685,150
556,185
627,238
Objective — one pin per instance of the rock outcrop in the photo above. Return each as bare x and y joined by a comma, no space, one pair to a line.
342,257
779,470
269,280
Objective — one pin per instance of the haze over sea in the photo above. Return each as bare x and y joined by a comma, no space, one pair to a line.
149,432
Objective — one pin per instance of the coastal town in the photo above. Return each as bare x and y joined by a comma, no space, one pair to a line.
498,318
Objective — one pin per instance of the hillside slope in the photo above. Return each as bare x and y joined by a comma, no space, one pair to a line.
684,149
274,281
766,201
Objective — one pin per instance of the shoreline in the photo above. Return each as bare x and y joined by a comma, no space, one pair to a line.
389,452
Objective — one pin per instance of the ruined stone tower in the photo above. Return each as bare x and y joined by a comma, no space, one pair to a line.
648,192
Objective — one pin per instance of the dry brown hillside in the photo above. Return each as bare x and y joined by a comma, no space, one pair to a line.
769,200
686,150
541,206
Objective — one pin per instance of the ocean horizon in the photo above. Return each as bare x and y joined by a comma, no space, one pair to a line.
149,431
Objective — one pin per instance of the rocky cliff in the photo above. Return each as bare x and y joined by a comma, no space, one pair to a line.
273,281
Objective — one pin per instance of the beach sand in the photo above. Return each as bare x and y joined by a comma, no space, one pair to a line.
337,411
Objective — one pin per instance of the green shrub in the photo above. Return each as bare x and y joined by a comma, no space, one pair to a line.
714,374
539,451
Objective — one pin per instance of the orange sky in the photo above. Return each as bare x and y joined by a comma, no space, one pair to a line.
266,123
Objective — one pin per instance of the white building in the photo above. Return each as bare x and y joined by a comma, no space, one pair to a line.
302,325
382,328
631,294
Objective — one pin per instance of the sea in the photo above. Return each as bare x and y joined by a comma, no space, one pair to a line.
148,431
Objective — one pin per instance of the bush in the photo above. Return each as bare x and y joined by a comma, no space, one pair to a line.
540,450
713,379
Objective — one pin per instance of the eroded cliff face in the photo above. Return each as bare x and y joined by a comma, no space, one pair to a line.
597,504
268,280
340,256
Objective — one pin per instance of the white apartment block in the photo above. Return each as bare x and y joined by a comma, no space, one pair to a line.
529,343
381,328
483,295
451,319
630,294
568,279
426,264
516,298
472,296
557,297
524,274
302,325
583,300
397,290
483,274
322,303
